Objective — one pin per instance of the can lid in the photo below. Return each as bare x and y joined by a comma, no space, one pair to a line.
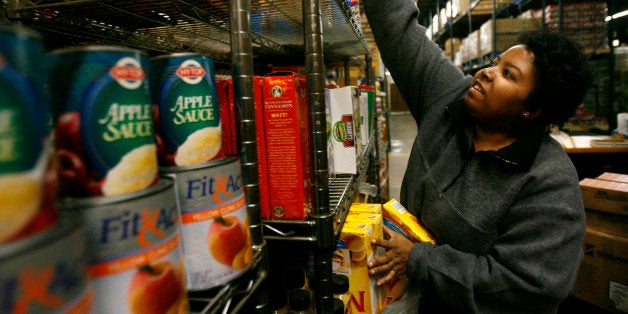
340,284
339,306
299,299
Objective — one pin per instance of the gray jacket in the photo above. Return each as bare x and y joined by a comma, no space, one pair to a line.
509,223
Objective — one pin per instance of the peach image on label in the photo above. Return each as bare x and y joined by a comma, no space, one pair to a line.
157,288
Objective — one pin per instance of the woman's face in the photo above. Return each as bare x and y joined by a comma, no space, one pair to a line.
497,97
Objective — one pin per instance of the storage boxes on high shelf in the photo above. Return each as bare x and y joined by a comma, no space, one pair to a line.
603,275
583,22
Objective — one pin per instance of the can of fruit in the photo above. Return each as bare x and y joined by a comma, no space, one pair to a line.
136,261
215,229
26,188
187,113
47,272
103,136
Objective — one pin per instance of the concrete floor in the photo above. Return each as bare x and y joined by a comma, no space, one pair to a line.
402,133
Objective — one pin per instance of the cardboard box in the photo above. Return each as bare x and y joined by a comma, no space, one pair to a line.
611,176
603,274
607,222
507,33
260,137
342,102
288,146
608,196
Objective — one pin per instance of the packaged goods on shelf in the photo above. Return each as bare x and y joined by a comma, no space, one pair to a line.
342,103
104,137
397,217
608,196
460,7
47,273
485,7
229,116
367,107
582,22
286,134
133,238
507,32
452,46
214,222
603,275
350,258
27,173
470,47
186,109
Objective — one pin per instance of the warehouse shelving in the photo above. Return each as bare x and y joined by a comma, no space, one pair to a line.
467,21
234,33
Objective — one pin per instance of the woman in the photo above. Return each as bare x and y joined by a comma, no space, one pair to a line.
500,196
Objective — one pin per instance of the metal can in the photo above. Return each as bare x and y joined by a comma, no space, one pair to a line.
47,272
187,117
215,227
136,261
26,190
104,139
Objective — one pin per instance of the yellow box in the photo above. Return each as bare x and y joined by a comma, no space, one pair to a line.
366,207
355,244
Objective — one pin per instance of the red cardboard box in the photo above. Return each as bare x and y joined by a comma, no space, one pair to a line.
286,135
228,116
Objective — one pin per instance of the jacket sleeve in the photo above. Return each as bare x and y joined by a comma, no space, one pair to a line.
531,266
422,73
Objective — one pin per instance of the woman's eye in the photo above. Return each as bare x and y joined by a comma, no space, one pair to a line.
507,73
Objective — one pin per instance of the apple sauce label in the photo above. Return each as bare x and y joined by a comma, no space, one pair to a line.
104,137
188,112
212,205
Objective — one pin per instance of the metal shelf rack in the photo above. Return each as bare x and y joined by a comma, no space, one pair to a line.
233,33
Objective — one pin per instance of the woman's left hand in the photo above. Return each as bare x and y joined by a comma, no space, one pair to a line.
393,262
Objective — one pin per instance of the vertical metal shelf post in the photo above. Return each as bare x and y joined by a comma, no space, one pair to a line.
242,74
321,213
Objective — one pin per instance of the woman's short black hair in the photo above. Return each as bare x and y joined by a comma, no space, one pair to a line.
562,72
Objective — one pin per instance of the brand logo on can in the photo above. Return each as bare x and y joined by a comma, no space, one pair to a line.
128,72
147,226
191,72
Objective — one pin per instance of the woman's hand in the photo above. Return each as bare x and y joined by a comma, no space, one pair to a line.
393,262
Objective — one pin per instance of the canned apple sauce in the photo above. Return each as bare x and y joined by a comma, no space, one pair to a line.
136,262
27,194
215,228
104,139
47,272
187,113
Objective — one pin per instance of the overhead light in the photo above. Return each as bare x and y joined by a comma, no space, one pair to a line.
616,16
